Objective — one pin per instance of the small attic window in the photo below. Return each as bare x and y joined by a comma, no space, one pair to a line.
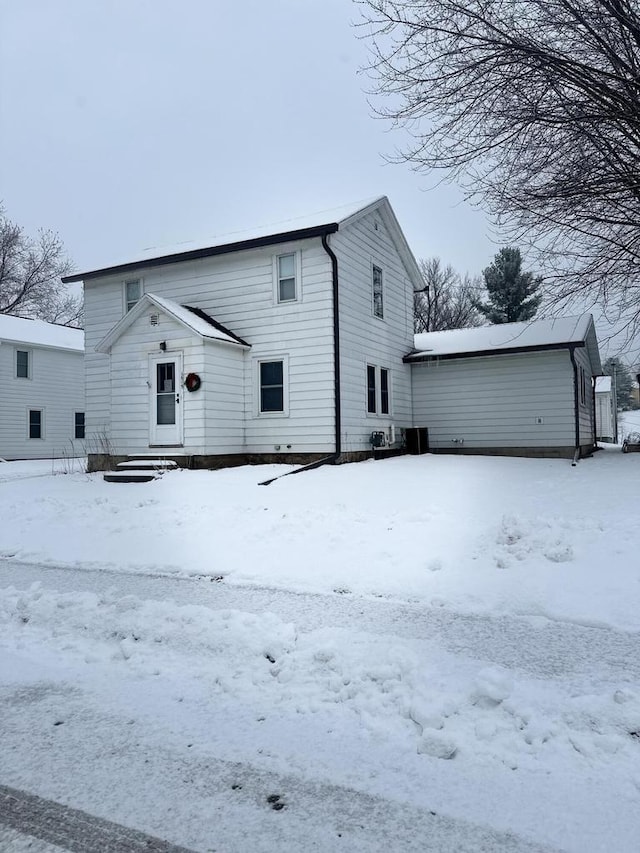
154,319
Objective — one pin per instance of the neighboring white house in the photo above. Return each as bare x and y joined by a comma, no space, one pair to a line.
516,389
292,341
292,344
606,410
42,380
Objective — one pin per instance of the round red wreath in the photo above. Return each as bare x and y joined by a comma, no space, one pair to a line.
192,382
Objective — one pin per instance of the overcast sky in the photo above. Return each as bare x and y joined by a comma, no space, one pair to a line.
133,123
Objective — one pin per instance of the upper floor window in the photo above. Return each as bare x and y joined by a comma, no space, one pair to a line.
23,364
132,292
287,277
376,273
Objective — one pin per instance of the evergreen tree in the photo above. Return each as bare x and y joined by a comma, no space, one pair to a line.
512,292
623,380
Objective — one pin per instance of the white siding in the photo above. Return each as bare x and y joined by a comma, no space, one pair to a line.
495,401
585,410
223,398
130,383
604,415
56,386
237,290
366,339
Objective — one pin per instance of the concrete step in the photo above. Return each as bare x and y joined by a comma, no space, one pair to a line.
148,464
131,476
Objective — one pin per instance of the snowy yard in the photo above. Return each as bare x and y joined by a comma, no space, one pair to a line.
427,653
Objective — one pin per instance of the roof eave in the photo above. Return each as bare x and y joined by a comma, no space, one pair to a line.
138,309
416,358
212,251
22,342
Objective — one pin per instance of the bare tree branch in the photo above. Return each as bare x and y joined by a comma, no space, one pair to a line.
30,272
533,106
447,301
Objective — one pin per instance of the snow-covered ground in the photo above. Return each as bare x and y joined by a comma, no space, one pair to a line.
629,422
427,653
518,536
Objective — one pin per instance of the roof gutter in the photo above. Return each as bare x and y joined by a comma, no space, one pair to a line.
415,358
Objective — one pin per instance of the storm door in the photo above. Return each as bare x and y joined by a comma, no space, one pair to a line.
165,404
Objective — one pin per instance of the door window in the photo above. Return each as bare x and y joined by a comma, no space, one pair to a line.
165,395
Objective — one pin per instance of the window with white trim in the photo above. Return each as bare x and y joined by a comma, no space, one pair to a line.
272,390
287,277
582,385
371,389
378,390
78,425
376,281
286,272
35,423
384,391
132,292
23,364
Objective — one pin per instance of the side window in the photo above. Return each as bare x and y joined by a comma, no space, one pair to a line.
132,292
371,389
287,274
271,375
23,364
287,284
583,385
35,423
78,431
378,390
384,391
378,307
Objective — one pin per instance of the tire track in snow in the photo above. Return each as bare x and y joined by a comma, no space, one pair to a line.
71,829
216,805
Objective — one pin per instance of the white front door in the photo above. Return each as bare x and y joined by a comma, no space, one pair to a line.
165,404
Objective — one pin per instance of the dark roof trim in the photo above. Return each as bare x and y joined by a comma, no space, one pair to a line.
196,254
208,319
415,358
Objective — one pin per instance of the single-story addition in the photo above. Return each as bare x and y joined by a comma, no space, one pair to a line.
518,389
43,402
606,410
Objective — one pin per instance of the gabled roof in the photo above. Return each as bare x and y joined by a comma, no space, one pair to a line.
315,225
20,330
531,336
194,319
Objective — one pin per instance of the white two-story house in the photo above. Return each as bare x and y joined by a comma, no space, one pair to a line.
296,344
280,346
42,381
